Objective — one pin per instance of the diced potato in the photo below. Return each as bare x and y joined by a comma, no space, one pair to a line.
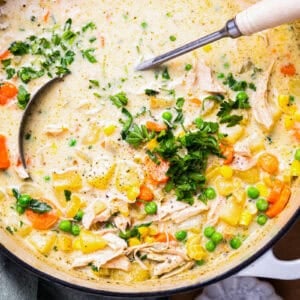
294,86
102,180
231,212
91,242
239,196
289,122
225,186
31,189
153,230
234,134
68,180
43,242
149,240
135,274
194,248
76,245
92,136
64,243
128,181
212,172
297,116
160,103
3,195
102,272
24,230
250,176
73,206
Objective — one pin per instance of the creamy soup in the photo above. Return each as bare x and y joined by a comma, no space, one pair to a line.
143,175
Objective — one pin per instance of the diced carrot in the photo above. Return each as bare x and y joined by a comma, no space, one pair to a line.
153,126
157,172
288,70
46,16
296,133
7,92
275,191
102,41
269,163
280,204
228,153
4,158
4,54
145,193
196,101
163,237
42,221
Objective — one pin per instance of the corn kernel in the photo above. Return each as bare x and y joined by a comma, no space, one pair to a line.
152,144
42,242
24,230
263,189
149,240
295,168
245,218
195,230
239,196
134,242
289,122
144,231
109,130
226,172
283,101
64,243
132,193
268,181
194,248
207,48
297,116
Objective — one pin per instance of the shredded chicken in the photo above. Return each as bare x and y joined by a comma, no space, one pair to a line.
114,241
215,207
21,172
262,109
121,222
185,267
55,129
205,80
243,161
98,258
122,263
90,217
171,262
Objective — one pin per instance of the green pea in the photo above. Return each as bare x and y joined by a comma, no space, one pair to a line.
262,219
79,215
20,210
188,67
210,193
209,231
217,237
210,246
24,200
262,204
181,235
242,96
252,192
200,262
235,243
151,208
65,225
167,116
75,229
297,154
172,38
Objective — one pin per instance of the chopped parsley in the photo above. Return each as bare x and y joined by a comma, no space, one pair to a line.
72,142
89,25
150,92
144,25
119,99
165,74
88,54
68,195
23,97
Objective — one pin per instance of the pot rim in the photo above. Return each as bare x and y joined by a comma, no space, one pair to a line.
169,292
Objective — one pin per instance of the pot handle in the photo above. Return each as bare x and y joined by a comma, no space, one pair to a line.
269,266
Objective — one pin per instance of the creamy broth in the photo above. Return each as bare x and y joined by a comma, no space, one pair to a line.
105,204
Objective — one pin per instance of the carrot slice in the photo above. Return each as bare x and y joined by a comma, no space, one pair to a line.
7,92
4,159
280,204
288,70
228,152
163,237
46,16
157,172
276,191
269,163
42,221
153,126
145,193
196,101
4,54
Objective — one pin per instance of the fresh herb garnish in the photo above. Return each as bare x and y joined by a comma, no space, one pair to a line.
88,54
19,48
68,195
150,92
89,25
165,74
119,99
137,135
94,82
23,97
